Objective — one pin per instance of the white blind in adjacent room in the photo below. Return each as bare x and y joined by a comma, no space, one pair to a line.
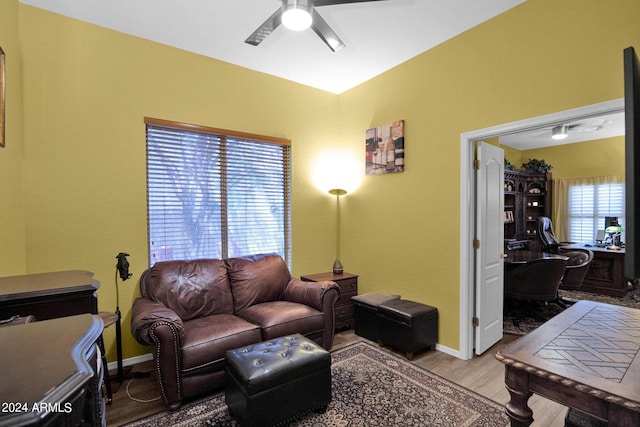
589,204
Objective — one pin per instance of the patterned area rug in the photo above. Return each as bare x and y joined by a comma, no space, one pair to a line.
370,388
522,318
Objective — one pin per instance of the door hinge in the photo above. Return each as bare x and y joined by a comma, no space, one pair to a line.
476,244
476,164
476,322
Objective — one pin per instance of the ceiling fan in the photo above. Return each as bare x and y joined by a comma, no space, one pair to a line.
305,11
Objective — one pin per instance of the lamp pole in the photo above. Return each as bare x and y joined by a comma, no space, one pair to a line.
337,265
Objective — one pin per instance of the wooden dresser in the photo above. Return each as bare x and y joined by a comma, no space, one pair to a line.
348,288
49,295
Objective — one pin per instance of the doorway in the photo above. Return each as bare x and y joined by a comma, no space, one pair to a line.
468,197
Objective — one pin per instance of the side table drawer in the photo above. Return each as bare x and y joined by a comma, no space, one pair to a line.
348,285
345,299
344,316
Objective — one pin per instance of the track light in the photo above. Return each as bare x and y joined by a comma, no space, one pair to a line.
559,132
296,14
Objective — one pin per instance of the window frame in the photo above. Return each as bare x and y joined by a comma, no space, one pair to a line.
223,135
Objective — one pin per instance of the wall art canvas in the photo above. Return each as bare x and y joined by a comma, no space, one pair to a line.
384,149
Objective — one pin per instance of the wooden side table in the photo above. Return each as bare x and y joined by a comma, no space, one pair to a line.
348,284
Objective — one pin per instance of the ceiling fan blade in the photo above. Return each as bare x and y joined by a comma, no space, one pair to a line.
325,32
332,2
265,29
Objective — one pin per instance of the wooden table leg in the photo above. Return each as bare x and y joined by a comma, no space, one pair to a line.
517,383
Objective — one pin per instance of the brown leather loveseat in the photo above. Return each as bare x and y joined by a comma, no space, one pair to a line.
192,312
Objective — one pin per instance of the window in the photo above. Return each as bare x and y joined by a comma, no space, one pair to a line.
215,194
589,204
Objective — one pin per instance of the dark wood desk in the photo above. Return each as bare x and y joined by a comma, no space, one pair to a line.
587,358
49,373
524,257
606,271
49,295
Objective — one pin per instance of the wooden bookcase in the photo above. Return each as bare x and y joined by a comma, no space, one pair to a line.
527,196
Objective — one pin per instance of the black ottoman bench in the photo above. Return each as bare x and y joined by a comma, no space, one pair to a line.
408,326
276,381
365,314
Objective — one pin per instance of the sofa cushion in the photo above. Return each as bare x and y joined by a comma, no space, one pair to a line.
207,338
256,279
192,289
279,318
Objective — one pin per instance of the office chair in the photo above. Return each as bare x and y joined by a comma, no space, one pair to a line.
545,233
537,280
577,267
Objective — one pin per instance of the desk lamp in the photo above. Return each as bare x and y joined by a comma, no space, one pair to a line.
614,233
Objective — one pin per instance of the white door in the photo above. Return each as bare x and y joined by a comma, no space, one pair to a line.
489,253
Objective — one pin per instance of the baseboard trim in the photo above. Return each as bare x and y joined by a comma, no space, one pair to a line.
149,356
447,350
112,366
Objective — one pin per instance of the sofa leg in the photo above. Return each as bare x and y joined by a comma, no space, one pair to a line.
409,355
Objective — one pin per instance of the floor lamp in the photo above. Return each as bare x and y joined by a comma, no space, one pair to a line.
337,265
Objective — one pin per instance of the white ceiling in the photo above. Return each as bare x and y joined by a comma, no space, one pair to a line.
379,35
587,129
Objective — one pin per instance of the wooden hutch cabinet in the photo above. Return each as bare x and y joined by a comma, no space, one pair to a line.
527,196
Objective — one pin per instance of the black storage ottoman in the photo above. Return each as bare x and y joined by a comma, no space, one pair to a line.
365,314
276,381
408,326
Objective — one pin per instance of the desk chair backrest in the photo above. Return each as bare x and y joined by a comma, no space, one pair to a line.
577,267
537,280
545,233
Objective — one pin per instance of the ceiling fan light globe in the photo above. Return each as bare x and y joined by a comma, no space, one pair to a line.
559,132
296,18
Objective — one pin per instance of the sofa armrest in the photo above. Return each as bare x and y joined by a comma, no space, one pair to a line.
313,294
154,324
145,315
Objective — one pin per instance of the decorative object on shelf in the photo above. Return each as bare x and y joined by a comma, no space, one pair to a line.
2,93
384,149
535,165
337,265
508,164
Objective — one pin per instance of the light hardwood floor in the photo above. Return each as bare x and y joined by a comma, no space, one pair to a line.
483,374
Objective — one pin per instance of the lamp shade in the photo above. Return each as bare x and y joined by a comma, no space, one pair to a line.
614,229
296,15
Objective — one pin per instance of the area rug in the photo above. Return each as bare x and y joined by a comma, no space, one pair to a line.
522,318
371,387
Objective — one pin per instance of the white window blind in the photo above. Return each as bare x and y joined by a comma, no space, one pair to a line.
215,193
589,204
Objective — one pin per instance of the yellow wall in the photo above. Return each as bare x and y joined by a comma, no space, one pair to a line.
87,89
602,157
12,225
403,230
87,92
